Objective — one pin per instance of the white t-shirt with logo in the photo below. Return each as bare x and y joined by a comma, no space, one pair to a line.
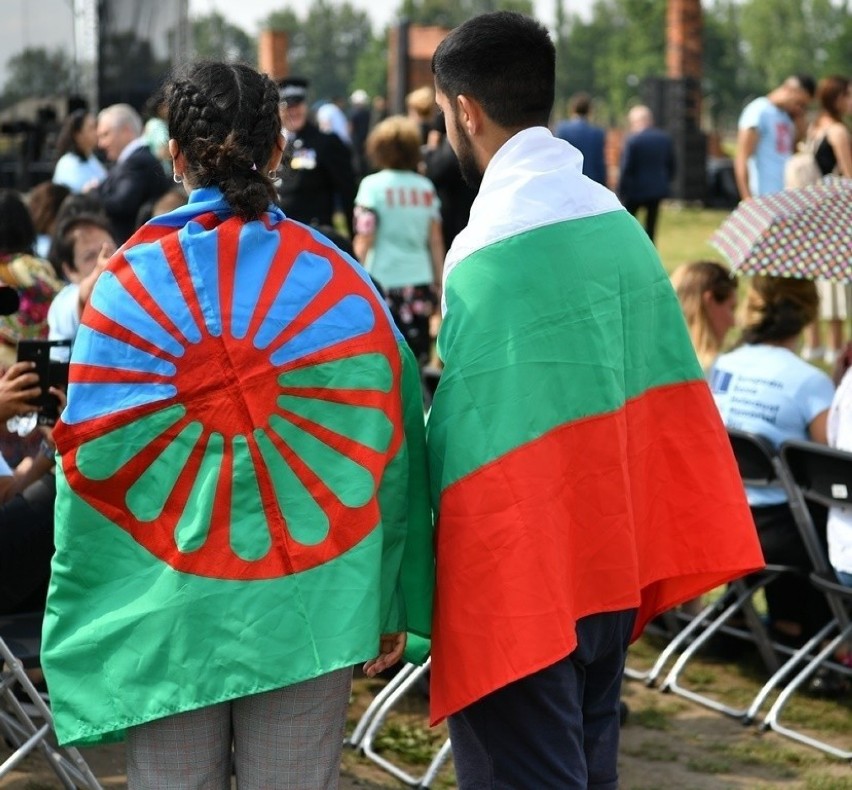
770,391
775,144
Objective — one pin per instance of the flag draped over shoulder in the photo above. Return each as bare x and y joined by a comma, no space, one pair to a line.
577,460
242,499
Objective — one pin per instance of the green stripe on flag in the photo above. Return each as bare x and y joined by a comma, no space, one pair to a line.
522,359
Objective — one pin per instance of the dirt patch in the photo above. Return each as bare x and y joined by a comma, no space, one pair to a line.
668,741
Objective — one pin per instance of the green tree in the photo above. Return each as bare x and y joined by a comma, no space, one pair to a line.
784,37
325,46
729,78
214,37
37,72
576,52
371,70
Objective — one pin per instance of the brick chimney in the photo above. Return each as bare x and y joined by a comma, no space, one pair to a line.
683,39
272,49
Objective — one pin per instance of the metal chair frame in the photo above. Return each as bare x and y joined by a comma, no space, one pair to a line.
760,466
374,717
823,475
17,716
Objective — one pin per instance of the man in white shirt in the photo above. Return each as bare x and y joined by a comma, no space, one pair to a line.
768,129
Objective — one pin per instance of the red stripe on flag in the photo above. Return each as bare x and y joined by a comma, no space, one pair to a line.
639,507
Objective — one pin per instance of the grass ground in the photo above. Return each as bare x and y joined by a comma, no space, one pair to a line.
683,234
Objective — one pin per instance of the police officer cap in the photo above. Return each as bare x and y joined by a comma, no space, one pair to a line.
292,90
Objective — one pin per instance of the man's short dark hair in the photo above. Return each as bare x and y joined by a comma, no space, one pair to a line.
581,104
807,83
505,61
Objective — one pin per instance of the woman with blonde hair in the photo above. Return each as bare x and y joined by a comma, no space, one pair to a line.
398,234
707,292
764,387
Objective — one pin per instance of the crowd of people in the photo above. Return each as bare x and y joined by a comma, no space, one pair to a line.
240,500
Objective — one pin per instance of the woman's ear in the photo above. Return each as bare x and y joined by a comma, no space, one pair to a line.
178,161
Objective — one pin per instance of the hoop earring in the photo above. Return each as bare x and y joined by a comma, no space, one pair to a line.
177,178
272,174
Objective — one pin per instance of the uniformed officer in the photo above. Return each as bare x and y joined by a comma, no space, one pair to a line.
319,180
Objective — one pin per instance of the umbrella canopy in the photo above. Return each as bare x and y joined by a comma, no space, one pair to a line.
805,233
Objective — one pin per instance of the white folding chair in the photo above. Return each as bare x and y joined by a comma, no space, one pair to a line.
759,466
373,718
25,719
822,475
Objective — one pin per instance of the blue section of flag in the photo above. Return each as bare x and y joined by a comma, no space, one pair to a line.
201,252
150,265
350,317
257,249
89,401
111,294
309,274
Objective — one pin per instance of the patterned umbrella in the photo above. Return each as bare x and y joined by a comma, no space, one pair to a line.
805,233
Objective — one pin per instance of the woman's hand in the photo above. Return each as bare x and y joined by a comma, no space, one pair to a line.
391,647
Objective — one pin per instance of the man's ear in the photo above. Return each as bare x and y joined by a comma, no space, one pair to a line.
470,114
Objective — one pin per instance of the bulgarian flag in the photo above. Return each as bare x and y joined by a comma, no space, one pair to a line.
242,499
577,459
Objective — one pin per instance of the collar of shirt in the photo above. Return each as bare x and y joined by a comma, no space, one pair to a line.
129,149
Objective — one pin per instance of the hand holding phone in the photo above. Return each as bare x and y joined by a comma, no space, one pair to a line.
50,363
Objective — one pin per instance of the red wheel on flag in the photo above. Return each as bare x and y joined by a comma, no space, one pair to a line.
236,431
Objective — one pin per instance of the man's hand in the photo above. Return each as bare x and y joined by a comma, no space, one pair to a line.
18,388
391,648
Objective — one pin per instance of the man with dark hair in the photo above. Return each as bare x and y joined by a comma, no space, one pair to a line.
588,139
582,478
319,180
769,127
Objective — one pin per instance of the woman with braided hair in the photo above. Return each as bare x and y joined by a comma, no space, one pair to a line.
242,496
764,387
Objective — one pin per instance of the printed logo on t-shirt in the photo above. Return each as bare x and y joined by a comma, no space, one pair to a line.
402,196
783,138
720,381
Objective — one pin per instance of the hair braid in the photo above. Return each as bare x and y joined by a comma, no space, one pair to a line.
224,118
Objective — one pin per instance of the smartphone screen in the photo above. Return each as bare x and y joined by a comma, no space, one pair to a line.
51,359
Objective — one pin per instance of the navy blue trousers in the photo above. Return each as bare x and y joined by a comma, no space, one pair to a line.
556,729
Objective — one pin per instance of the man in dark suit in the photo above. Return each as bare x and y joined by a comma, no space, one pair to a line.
319,180
136,177
585,137
647,167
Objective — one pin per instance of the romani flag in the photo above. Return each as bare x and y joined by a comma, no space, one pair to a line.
577,460
242,499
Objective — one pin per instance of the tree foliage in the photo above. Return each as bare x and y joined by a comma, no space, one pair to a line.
786,37
326,45
214,37
37,72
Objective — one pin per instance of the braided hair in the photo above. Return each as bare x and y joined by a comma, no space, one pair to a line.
224,117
